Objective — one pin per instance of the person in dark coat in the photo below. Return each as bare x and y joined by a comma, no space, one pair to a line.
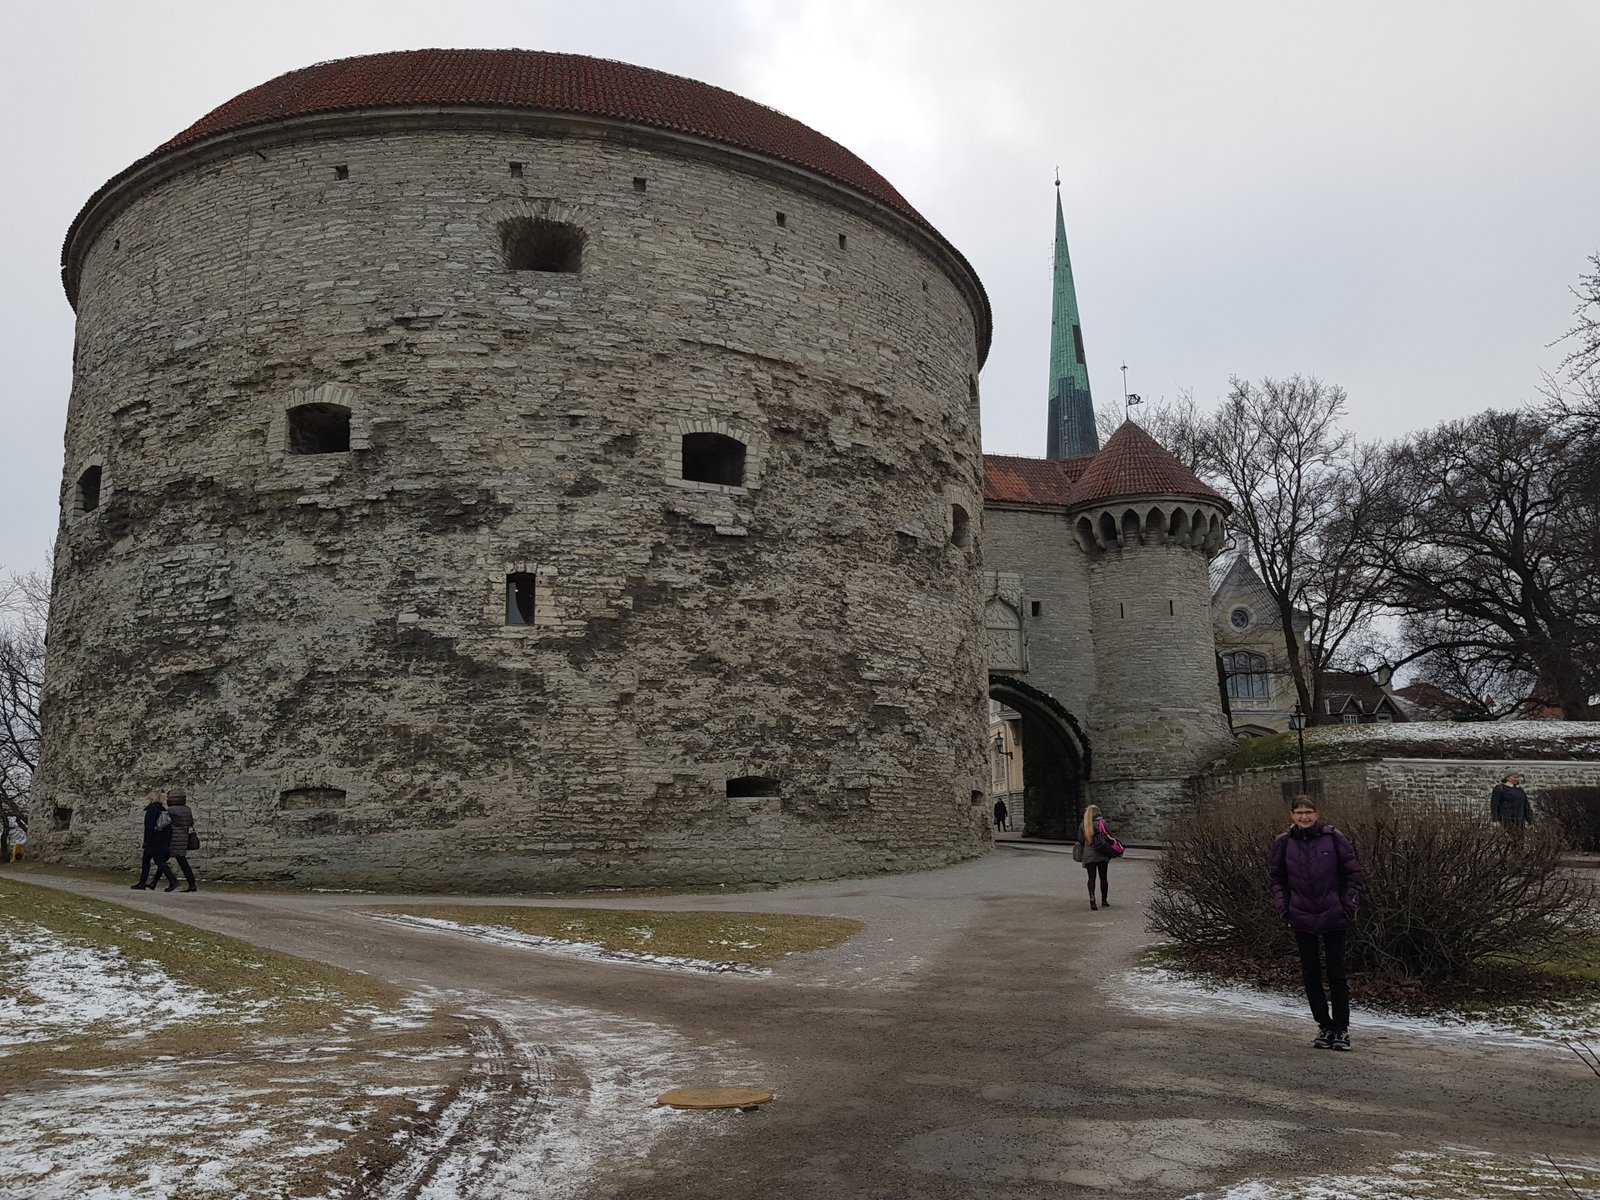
157,845
182,824
1316,886
1000,815
1094,852
1508,805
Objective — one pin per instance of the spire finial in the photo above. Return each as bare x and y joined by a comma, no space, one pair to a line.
1058,176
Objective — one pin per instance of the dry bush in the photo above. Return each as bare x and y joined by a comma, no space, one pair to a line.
1575,811
1448,894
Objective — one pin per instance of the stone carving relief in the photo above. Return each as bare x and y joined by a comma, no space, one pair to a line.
1002,621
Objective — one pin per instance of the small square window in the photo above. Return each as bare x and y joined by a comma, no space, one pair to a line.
341,172
516,170
1036,608
639,183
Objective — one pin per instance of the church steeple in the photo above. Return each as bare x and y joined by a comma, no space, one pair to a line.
1072,432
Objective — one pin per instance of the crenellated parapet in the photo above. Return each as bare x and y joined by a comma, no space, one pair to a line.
1159,521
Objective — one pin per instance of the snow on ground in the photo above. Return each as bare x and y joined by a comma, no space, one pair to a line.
499,935
1162,992
1451,1173
59,986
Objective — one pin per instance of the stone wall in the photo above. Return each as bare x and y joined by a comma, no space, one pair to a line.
775,680
1463,783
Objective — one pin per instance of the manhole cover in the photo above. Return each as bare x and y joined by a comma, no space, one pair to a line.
714,1098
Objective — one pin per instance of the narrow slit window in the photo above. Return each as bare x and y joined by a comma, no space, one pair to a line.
841,241
319,429
535,244
89,489
752,785
960,527
1036,608
782,220
519,599
713,458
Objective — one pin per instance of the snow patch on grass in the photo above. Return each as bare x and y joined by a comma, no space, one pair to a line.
1451,1173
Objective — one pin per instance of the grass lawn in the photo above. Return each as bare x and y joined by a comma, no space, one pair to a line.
707,936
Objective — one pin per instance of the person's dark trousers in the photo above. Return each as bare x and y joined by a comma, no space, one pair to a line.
1311,975
163,865
188,871
150,867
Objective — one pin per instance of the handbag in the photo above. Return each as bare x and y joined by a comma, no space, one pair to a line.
1105,843
1077,851
194,840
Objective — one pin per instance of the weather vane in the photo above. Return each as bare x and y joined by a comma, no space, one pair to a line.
1128,400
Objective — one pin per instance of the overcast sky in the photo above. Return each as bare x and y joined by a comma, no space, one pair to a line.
1394,196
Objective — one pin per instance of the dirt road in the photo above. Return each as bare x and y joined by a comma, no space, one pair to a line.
975,1041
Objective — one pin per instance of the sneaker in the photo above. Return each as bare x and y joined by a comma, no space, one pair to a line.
1341,1041
1324,1039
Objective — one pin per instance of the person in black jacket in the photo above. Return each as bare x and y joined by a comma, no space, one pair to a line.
1508,805
157,845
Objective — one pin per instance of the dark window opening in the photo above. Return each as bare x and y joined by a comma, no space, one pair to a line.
841,241
516,170
1122,610
1077,342
713,458
534,244
782,220
319,429
1036,608
341,172
752,785
1172,610
311,797
60,819
977,799
519,599
960,527
89,489
639,183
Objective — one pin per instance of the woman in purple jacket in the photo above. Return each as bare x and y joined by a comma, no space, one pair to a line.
1316,885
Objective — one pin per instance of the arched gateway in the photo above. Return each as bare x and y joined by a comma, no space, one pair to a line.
1056,758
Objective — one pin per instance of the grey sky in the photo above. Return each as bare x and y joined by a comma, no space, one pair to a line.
1395,196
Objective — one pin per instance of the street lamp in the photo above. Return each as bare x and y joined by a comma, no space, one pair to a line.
1297,722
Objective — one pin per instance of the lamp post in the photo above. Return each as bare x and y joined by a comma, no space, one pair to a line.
1297,722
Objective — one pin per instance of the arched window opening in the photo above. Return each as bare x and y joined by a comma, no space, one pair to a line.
713,458
752,785
519,598
1247,675
88,492
535,244
319,429
960,527
311,797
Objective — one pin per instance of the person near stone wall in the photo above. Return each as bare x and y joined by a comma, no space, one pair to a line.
182,825
1000,816
1316,887
157,845
1508,805
1095,849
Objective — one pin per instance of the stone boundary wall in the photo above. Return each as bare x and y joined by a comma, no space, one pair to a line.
1463,782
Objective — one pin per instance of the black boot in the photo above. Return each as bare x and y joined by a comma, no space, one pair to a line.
141,885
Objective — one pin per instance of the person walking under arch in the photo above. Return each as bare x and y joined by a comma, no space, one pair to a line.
1001,816
1095,849
1316,887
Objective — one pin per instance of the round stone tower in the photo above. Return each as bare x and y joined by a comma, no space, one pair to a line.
492,468
1148,527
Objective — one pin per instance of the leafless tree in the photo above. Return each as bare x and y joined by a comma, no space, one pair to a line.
1584,361
1301,489
1176,424
1490,542
24,602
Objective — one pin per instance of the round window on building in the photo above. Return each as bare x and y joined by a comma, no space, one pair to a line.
1239,618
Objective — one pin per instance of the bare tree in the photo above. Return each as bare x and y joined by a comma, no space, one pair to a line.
1584,361
1490,541
1176,424
1301,490
24,603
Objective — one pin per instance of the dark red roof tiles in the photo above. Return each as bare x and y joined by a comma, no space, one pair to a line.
1132,463
1031,480
536,79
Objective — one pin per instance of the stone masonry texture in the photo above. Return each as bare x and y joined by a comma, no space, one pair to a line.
315,646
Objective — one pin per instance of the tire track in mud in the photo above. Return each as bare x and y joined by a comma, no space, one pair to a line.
492,1109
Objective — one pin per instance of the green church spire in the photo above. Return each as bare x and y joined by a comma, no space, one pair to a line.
1072,431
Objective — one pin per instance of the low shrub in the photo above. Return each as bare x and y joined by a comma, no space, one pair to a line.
1575,810
1448,895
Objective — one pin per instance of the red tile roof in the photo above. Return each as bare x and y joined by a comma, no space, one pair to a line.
536,79
1031,480
1132,463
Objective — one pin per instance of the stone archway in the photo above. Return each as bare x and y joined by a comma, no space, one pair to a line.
1056,759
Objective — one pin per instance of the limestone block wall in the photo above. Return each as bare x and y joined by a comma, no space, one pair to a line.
1156,715
1036,543
771,680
